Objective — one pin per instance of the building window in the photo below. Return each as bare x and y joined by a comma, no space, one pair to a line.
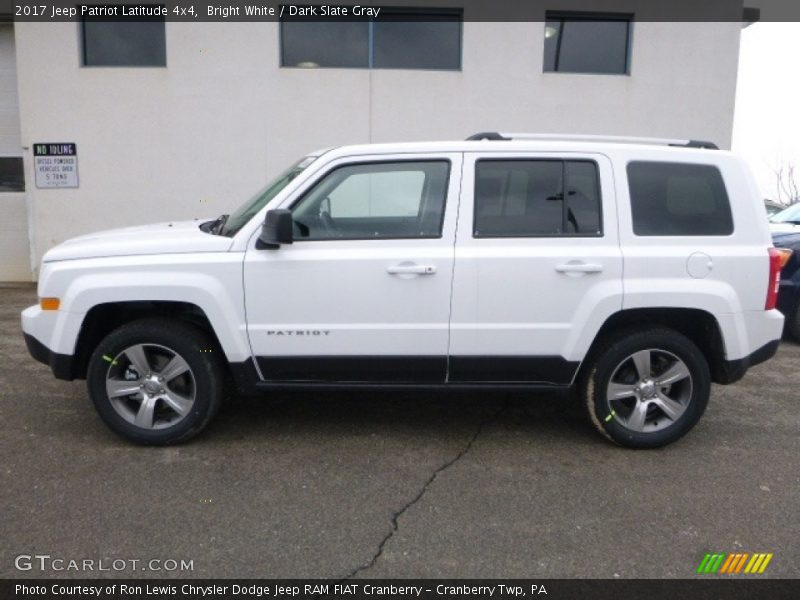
323,44
124,44
537,198
587,43
397,39
678,199
12,175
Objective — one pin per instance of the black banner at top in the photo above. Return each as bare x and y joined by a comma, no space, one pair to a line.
743,11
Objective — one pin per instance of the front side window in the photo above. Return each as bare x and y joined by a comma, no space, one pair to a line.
586,43
536,198
124,44
396,39
373,201
678,199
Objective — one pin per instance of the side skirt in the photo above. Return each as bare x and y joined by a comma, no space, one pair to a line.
476,373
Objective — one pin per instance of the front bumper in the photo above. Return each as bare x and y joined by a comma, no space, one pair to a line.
60,364
50,336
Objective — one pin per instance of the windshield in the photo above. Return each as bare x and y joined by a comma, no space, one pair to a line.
788,215
247,211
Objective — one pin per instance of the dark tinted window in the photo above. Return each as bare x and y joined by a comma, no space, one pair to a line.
124,44
397,39
373,201
417,41
522,198
582,198
12,177
678,199
325,44
575,43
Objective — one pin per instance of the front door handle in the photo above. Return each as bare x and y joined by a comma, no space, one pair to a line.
579,267
411,269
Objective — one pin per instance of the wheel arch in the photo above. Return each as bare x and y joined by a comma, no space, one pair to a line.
103,318
700,326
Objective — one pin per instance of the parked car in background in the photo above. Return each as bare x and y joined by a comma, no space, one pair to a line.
773,208
787,220
788,243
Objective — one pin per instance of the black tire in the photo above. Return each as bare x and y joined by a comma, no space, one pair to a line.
609,360
205,379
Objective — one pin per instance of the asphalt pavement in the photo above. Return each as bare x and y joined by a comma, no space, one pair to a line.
340,485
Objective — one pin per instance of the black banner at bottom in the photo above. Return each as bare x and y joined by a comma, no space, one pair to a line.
398,589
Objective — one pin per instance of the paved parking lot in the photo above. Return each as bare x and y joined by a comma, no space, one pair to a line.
397,485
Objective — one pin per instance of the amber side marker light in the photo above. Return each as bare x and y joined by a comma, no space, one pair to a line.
784,254
49,303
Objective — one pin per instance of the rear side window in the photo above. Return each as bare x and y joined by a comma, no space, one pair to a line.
678,199
536,198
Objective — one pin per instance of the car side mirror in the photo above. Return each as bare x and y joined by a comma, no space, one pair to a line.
277,229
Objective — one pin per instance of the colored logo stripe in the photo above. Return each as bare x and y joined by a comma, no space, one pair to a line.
734,562
758,563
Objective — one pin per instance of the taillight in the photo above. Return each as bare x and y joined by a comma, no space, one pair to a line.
778,257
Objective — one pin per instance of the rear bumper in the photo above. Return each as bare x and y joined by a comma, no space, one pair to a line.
60,364
733,370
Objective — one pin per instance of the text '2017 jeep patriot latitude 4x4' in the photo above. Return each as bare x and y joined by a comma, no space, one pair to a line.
637,272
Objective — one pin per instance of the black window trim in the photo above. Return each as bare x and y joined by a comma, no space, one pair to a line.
563,161
685,235
319,178
391,10
85,65
566,15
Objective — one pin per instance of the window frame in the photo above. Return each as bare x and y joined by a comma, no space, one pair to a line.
679,235
566,15
322,176
563,161
389,11
82,46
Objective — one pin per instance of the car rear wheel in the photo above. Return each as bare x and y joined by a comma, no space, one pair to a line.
646,388
156,381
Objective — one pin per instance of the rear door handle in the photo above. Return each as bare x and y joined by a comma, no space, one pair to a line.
407,269
578,266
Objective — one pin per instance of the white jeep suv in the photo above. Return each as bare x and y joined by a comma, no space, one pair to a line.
636,272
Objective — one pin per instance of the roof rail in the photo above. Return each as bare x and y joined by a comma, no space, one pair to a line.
568,137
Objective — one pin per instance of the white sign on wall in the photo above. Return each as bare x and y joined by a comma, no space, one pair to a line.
55,165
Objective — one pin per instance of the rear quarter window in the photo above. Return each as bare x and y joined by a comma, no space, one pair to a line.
678,199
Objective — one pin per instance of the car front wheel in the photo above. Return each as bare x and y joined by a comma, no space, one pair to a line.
156,381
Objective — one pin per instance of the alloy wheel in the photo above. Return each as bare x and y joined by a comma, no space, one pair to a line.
150,386
649,390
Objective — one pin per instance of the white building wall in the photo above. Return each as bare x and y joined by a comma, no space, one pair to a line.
15,259
198,137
